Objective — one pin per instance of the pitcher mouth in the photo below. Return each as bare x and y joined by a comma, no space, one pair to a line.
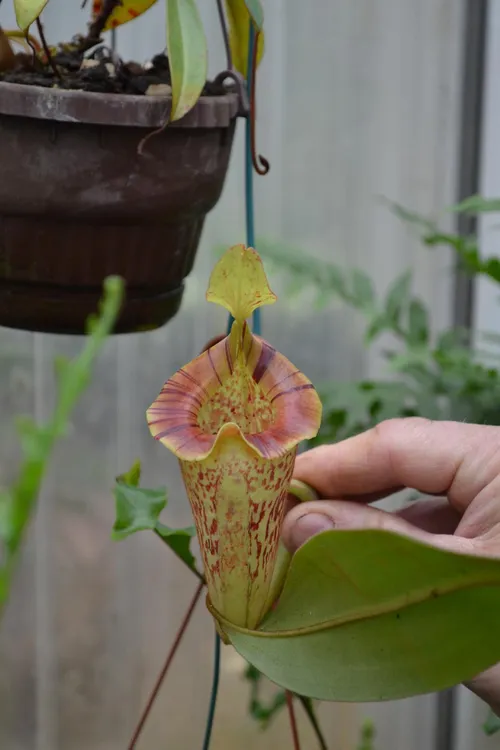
202,403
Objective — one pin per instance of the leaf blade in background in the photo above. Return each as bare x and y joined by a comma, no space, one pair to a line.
27,11
187,54
397,299
127,11
477,204
37,441
362,290
238,15
369,616
418,323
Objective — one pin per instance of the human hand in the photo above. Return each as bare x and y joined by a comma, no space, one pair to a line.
455,460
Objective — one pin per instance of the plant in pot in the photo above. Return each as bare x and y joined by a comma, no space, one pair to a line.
93,182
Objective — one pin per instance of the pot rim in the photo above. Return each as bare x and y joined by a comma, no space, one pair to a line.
127,110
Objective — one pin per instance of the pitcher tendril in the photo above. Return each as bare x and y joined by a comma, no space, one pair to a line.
234,417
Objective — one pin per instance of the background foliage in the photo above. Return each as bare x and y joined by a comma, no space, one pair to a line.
434,374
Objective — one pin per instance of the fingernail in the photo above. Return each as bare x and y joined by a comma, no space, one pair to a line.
308,525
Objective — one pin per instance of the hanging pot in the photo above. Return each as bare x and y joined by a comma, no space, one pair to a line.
78,203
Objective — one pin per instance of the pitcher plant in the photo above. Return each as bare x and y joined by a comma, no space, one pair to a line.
234,417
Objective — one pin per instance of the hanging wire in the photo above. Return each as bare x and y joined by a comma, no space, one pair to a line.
249,202
170,657
213,694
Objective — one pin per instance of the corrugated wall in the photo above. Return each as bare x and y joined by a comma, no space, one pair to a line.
357,101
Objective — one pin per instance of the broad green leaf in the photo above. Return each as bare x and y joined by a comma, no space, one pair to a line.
179,541
187,54
238,16
476,204
27,11
137,509
127,11
418,323
371,616
492,723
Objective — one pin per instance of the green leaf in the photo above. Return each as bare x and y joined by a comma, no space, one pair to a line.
377,325
492,723
476,204
27,11
367,736
411,217
238,14
362,290
263,712
187,54
179,541
307,271
38,441
398,297
418,323
370,616
132,476
137,509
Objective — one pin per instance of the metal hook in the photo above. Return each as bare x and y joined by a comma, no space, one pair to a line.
241,89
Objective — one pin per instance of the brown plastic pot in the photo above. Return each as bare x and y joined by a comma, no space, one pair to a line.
77,202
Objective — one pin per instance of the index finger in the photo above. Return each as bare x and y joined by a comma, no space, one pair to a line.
431,457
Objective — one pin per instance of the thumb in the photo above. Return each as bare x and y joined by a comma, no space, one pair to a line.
306,520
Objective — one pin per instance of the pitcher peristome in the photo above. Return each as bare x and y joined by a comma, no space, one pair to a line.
234,417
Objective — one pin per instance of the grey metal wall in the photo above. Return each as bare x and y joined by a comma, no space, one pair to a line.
357,100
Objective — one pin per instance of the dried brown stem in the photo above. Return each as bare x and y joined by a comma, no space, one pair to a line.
46,49
7,56
166,666
96,27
